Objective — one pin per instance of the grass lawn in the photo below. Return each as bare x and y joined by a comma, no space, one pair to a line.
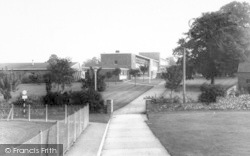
39,89
193,87
123,93
146,81
17,132
203,133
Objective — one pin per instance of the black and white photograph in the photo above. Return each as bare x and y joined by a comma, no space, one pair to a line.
125,78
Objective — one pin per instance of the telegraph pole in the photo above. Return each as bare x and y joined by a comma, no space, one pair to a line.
184,75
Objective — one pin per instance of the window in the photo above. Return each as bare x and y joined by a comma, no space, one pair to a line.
116,62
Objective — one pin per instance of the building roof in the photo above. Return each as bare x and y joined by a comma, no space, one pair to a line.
244,67
25,66
152,55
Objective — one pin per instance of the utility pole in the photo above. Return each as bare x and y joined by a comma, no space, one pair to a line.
184,75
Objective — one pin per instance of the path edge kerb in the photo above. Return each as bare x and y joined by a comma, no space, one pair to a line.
103,138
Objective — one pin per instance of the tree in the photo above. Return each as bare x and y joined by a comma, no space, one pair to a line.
173,78
171,61
53,59
8,83
92,62
144,69
216,44
134,73
117,72
89,81
108,75
61,72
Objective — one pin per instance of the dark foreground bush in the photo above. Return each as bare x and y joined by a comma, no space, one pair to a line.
90,96
209,93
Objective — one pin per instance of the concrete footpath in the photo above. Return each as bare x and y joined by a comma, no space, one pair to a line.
89,141
129,135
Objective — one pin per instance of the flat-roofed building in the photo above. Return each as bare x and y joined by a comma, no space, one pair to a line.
130,61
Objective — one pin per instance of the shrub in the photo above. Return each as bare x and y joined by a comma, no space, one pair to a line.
35,78
54,98
94,99
83,97
101,84
209,93
31,100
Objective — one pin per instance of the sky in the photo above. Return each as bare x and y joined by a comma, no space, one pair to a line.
82,29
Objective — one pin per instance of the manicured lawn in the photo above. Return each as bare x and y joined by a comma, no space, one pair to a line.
193,87
146,81
17,132
123,93
39,89
203,133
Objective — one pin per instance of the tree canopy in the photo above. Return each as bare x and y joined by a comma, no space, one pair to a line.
92,62
134,73
217,41
61,72
144,69
173,77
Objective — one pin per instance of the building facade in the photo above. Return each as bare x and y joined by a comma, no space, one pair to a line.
22,70
131,61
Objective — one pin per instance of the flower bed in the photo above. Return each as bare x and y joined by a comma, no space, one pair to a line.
223,103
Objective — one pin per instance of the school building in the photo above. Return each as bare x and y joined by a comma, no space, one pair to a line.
126,61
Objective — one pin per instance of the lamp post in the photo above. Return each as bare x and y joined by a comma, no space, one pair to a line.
95,70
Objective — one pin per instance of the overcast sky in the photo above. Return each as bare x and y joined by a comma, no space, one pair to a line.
81,29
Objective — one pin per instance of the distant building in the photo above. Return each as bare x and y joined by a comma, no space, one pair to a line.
163,63
243,75
126,61
24,69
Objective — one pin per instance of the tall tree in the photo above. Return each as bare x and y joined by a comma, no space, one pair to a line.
53,59
216,44
171,61
173,78
117,72
61,72
144,69
134,73
92,62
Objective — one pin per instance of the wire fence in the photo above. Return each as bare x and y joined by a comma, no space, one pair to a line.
37,113
73,121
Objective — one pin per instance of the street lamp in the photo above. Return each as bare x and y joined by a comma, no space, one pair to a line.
95,70
184,64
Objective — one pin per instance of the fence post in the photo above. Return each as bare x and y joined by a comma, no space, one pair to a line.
12,115
74,126
57,132
68,141
29,113
80,120
41,136
87,115
46,113
66,113
41,140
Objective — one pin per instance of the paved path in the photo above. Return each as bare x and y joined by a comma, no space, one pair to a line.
89,141
129,135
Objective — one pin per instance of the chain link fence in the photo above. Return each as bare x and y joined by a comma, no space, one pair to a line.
71,121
